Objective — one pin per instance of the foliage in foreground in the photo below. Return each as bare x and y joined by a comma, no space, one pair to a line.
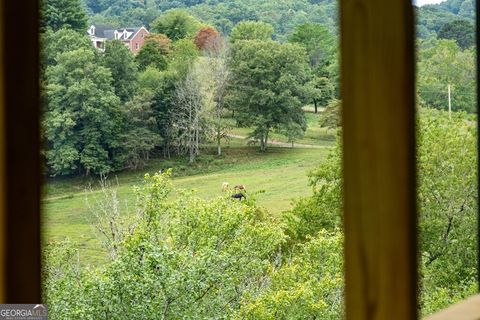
447,198
194,259
447,202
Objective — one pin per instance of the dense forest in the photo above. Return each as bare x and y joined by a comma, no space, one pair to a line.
205,68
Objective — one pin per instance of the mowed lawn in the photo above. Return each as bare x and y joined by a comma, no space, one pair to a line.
281,173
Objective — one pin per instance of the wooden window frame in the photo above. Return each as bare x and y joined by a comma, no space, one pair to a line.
378,98
378,102
20,176
378,69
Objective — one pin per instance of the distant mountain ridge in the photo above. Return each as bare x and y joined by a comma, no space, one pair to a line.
431,18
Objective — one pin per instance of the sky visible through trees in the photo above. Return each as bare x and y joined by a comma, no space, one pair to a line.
424,2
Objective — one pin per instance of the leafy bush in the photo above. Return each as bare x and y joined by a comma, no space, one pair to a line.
187,258
322,211
447,196
331,116
308,285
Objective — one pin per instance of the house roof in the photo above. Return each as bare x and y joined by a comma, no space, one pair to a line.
108,32
100,29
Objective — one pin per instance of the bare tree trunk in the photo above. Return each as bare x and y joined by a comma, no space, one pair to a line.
219,143
315,104
197,136
266,139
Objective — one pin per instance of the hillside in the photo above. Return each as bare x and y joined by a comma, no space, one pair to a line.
283,15
224,15
431,18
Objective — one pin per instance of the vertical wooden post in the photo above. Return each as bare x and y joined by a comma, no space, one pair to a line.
21,153
3,228
379,159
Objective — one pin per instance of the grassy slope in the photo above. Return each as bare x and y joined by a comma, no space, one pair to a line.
281,172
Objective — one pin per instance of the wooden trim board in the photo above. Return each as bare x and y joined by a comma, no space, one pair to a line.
378,99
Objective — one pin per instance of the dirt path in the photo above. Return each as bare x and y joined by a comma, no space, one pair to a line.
280,144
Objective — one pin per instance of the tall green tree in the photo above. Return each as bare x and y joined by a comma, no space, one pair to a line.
441,64
322,49
164,103
462,31
320,44
251,30
154,52
320,91
121,63
140,135
184,55
162,84
82,121
176,25
58,14
61,41
267,88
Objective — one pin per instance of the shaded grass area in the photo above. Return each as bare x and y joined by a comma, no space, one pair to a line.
281,173
315,135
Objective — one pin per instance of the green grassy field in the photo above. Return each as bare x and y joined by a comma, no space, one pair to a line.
313,136
281,173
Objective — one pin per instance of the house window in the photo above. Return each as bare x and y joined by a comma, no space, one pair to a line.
137,46
143,36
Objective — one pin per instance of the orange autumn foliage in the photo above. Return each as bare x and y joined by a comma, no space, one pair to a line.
160,41
208,39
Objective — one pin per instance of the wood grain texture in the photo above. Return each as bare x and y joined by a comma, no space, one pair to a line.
379,159
466,310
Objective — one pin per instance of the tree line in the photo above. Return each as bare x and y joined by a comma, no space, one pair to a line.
106,111
443,63
284,16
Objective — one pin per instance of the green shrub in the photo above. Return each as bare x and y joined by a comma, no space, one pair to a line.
185,259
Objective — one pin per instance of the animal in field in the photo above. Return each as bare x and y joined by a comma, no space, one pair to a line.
239,191
225,186
239,196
